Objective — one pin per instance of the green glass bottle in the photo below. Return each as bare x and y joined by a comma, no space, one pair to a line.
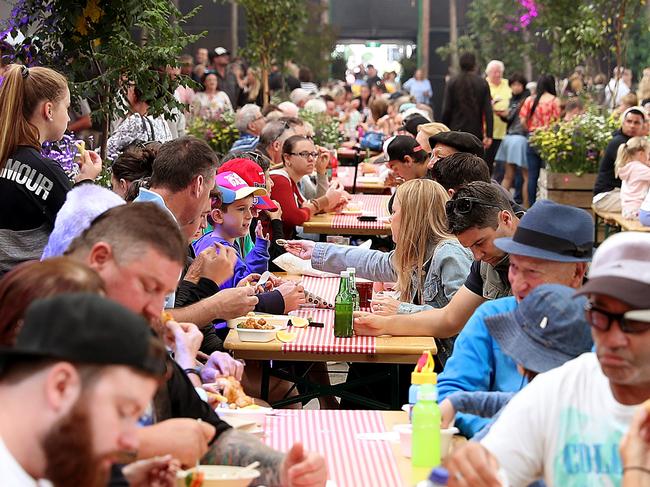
343,309
353,287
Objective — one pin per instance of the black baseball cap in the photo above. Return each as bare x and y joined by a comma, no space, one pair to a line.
401,146
89,329
461,141
412,122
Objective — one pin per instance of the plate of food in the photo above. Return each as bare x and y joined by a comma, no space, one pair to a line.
216,476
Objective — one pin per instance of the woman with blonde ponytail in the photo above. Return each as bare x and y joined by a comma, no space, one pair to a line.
35,104
428,263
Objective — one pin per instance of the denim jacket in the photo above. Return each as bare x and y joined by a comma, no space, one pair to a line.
447,270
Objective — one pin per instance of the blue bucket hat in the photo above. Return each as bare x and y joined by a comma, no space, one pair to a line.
551,231
547,329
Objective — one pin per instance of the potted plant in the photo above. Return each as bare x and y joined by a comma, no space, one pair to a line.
572,150
218,131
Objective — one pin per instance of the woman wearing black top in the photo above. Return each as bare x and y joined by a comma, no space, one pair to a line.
35,104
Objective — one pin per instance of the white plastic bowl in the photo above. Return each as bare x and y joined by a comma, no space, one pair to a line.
260,336
221,476
280,320
406,432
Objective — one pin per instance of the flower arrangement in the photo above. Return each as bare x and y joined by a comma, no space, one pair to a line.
326,128
575,146
219,132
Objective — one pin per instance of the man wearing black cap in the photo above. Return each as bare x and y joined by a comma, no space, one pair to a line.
569,421
444,144
412,122
220,59
82,371
406,157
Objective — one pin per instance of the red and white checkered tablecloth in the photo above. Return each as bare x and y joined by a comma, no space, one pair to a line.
322,340
371,204
352,462
324,287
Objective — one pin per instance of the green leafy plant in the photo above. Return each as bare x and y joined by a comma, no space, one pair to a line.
273,27
220,132
326,128
103,46
575,146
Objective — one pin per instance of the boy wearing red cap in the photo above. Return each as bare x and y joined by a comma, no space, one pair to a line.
231,217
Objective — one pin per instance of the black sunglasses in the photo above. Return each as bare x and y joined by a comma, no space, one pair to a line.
465,204
602,320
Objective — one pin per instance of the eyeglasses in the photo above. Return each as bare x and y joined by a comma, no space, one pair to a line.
602,320
465,205
305,154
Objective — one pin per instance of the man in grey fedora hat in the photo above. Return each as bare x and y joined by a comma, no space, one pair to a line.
552,245
570,421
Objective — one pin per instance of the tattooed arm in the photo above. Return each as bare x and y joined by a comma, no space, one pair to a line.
297,467
238,448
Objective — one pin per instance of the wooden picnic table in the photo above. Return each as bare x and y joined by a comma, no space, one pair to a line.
367,184
333,224
615,222
318,345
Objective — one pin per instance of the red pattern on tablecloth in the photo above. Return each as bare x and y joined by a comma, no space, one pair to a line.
371,204
352,462
324,287
322,340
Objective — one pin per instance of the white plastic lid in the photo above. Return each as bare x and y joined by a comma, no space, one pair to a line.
351,270
345,274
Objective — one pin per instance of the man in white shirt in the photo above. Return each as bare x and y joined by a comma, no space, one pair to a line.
566,426
617,87
81,373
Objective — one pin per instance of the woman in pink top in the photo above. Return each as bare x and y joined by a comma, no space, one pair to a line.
633,168
538,112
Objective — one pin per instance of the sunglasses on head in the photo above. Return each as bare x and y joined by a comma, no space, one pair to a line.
602,320
465,204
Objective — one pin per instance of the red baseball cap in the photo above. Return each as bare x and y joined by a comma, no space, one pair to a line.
252,173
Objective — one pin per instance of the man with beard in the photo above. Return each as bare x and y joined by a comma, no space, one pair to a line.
81,373
138,251
569,421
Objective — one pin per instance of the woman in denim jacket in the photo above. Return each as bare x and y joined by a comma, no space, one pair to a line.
428,263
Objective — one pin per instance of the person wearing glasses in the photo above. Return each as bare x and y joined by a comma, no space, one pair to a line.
570,421
299,157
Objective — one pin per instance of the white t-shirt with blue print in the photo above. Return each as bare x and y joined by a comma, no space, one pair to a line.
564,427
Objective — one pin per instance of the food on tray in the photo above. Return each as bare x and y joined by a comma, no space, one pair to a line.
252,323
227,392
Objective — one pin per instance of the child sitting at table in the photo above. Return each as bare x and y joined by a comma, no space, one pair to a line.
231,218
547,329
633,168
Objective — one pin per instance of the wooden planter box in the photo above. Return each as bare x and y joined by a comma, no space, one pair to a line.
567,188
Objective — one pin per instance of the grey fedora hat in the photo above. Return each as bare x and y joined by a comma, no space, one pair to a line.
551,231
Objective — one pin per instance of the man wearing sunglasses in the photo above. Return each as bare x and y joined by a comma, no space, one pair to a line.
570,421
477,213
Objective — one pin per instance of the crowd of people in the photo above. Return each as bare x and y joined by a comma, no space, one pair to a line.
113,303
